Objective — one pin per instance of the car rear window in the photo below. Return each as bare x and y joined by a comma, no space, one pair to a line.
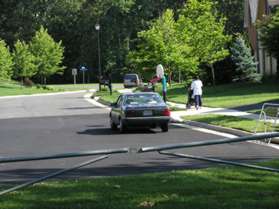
143,99
130,76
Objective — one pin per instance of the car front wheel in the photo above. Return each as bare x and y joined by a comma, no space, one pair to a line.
165,127
122,127
113,126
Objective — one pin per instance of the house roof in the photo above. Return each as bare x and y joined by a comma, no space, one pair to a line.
273,2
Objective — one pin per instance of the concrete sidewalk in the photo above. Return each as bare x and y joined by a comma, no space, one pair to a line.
177,115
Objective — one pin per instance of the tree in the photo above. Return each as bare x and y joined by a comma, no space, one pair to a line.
161,45
245,62
6,62
48,54
24,61
207,32
269,33
197,37
233,10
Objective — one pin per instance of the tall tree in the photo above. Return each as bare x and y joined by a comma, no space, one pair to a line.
6,62
233,10
24,61
48,54
197,37
161,45
206,28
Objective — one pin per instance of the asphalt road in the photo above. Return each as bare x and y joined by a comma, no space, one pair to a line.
67,123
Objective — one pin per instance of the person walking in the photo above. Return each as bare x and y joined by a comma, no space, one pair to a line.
164,88
196,86
109,83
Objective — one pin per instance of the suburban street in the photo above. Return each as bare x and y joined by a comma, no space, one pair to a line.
55,124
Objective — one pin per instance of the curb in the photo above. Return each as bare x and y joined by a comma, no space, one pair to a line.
45,94
100,100
235,132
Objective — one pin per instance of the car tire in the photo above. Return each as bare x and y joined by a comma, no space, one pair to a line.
122,127
113,126
165,127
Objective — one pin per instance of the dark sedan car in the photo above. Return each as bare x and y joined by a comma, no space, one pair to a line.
144,109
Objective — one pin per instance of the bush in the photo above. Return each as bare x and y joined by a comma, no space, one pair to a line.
27,82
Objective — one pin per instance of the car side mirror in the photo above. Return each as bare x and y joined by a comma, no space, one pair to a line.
113,104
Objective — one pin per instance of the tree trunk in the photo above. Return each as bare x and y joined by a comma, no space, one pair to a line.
213,74
170,78
179,76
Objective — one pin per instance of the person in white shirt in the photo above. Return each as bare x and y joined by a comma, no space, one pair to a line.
196,86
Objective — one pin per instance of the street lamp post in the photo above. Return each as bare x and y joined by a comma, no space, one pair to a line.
97,27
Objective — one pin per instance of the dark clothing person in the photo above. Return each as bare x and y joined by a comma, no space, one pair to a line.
109,84
198,102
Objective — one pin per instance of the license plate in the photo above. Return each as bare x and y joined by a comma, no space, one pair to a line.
147,113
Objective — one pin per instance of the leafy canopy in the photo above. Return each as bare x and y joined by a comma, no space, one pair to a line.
48,54
206,30
6,61
196,37
24,61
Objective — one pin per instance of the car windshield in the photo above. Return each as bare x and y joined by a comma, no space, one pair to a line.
130,76
143,99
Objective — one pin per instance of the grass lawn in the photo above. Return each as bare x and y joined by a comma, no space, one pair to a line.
230,95
71,87
10,88
218,187
106,97
13,88
230,122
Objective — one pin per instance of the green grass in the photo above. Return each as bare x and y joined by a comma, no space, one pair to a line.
13,88
230,95
106,97
71,87
219,187
230,122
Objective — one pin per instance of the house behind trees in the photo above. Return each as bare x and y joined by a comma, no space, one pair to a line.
257,10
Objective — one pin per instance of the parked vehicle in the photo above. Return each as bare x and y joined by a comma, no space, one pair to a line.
131,80
141,109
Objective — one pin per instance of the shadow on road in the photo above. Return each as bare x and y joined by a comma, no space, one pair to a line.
98,130
15,176
108,131
81,108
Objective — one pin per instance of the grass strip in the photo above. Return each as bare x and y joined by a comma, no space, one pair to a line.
211,188
244,124
105,96
12,89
